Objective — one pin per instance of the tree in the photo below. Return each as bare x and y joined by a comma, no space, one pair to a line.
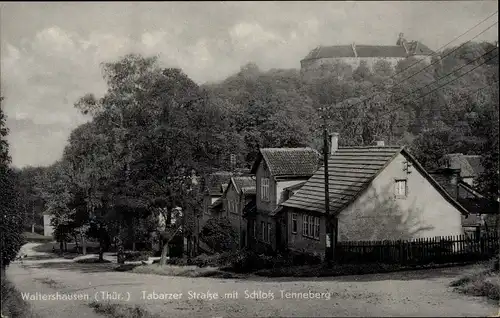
11,221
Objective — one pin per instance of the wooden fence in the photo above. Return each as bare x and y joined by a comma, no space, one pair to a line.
443,249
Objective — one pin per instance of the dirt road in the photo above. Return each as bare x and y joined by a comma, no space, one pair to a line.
422,293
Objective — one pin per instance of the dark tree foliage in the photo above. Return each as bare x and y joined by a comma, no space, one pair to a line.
11,228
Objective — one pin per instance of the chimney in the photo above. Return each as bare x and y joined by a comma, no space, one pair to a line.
380,143
334,142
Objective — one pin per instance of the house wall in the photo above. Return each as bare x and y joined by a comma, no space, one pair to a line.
300,243
48,229
378,215
262,245
263,172
234,217
354,62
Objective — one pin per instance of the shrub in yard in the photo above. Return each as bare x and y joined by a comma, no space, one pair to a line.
203,260
303,258
219,234
483,282
249,261
134,256
92,260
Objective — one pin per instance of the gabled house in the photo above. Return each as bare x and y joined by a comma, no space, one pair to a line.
376,193
275,170
469,166
240,191
214,186
481,210
48,229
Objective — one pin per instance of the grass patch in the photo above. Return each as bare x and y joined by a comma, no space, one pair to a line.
184,271
13,306
37,238
321,270
93,260
113,310
482,282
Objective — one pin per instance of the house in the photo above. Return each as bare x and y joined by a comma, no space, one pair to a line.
240,191
214,186
275,170
376,193
48,229
481,210
469,166
353,54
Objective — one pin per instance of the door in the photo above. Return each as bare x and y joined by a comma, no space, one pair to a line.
281,237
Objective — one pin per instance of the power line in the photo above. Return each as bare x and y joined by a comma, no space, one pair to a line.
437,80
456,101
456,38
444,76
419,61
439,87
447,54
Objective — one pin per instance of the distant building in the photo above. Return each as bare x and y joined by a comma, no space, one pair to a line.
48,229
469,166
353,54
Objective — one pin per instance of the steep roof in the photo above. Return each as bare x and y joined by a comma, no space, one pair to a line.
418,48
351,170
245,184
288,161
469,165
380,51
215,181
339,51
216,203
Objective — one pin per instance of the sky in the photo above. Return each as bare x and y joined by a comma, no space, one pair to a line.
51,52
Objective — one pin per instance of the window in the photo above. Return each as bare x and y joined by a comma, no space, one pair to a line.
264,189
294,223
305,225
311,226
254,229
316,228
268,232
400,188
233,206
264,232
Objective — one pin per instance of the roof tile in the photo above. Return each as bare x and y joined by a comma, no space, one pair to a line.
347,177
291,161
244,183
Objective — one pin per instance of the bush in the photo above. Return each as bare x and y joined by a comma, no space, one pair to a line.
483,282
219,234
249,261
184,271
135,256
11,225
203,260
92,260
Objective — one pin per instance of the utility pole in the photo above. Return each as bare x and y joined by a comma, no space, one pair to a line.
329,252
